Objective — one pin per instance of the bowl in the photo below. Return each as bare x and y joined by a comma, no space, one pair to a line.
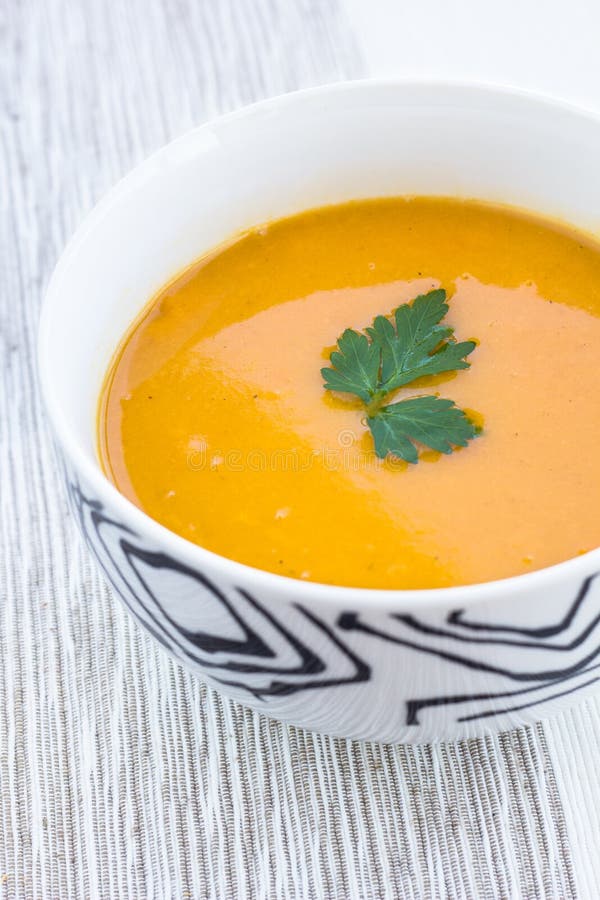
391,666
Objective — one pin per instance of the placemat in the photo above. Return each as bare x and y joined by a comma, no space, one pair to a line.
121,776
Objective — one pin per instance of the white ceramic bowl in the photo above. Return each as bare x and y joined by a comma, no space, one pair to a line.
386,665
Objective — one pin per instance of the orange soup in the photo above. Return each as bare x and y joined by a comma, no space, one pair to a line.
215,421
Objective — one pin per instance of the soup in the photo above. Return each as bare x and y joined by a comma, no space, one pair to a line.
215,421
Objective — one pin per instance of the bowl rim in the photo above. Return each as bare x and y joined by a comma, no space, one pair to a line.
196,556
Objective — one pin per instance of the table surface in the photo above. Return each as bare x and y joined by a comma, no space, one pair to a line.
120,776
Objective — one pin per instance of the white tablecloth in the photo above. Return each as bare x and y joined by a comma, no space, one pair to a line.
120,776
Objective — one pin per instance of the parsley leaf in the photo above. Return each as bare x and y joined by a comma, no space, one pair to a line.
437,423
356,366
393,354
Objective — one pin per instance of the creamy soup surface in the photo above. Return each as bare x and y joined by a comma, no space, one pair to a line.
214,420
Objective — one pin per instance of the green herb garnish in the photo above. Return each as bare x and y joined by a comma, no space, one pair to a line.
393,354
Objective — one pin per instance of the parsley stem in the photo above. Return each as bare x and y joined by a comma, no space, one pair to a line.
375,403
